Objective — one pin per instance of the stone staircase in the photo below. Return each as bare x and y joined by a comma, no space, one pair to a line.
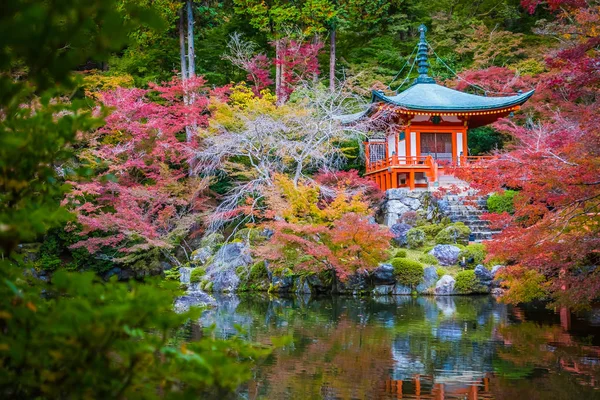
460,208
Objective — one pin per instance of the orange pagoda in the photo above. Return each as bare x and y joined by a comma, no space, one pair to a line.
426,128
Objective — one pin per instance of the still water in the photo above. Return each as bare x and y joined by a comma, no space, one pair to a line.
415,348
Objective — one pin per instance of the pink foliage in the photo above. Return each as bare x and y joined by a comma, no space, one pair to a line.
141,191
351,183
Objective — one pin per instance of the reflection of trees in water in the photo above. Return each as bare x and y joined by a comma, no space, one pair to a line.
446,347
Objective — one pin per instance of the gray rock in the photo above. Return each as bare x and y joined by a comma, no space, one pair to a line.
202,255
222,269
484,275
401,290
445,253
445,286
355,284
317,284
185,275
383,290
212,240
496,269
430,277
497,291
497,282
399,231
302,286
400,201
282,283
195,299
383,275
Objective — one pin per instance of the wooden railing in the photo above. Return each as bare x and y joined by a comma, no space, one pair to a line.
474,159
399,161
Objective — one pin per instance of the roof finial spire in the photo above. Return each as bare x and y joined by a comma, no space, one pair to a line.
422,58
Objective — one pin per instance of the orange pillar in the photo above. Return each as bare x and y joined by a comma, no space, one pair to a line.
394,180
454,149
411,180
389,180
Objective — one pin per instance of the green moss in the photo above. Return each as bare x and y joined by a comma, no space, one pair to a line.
431,230
408,272
252,236
473,254
467,283
400,254
197,274
499,203
415,238
457,233
428,259
441,271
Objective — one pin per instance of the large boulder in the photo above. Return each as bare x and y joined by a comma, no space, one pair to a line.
399,232
497,282
445,286
446,254
401,289
484,275
383,275
430,277
222,269
357,283
282,282
383,290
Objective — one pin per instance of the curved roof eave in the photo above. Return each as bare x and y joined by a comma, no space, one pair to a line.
433,97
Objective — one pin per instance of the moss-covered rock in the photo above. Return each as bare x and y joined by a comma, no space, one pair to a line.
408,272
415,238
467,283
457,233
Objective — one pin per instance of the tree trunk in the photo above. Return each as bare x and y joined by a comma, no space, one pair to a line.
190,34
332,60
182,45
277,69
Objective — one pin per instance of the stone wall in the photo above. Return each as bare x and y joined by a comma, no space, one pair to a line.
399,201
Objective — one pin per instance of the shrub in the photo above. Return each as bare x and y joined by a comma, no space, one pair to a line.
408,272
197,274
467,282
400,254
415,238
441,271
457,233
474,254
428,259
499,203
431,230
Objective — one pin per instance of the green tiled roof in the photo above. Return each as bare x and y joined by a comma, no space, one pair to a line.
433,97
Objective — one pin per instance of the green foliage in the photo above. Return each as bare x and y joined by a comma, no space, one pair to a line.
172,274
408,272
415,238
428,259
457,233
400,254
473,254
467,283
441,271
431,230
484,140
499,203
110,339
197,274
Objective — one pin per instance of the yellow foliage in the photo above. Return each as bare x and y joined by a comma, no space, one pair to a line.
243,105
304,204
95,82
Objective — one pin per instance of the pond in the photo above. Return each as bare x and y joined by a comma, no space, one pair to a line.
415,348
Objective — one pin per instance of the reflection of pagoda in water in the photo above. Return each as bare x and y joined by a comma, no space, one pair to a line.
443,361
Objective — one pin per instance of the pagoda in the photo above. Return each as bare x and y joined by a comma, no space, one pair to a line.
426,128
